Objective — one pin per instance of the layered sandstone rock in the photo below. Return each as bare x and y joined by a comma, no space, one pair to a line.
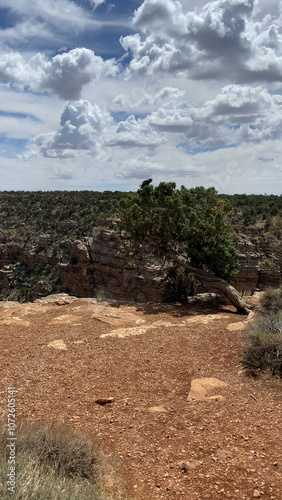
77,276
99,267
117,274
248,275
252,276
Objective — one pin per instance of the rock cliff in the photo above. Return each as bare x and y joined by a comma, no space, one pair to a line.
99,267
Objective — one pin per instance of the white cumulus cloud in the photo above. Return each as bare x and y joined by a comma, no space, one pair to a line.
135,133
65,74
81,128
236,114
222,40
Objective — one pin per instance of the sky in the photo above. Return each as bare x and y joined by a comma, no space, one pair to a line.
101,94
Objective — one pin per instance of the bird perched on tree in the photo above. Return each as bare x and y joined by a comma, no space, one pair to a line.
145,183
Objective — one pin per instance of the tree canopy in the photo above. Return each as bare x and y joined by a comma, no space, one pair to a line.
190,221
189,226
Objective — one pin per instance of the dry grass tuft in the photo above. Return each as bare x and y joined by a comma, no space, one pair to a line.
263,353
52,463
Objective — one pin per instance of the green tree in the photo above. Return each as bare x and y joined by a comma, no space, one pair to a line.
188,227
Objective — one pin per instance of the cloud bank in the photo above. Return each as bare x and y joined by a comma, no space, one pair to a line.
237,114
197,90
223,40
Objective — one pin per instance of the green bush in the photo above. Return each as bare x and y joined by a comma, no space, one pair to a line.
264,350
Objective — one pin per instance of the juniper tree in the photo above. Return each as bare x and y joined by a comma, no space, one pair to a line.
188,227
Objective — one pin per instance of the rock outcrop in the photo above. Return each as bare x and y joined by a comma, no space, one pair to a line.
77,277
98,267
248,276
117,274
252,275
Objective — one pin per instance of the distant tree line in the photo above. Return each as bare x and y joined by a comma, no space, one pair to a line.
253,208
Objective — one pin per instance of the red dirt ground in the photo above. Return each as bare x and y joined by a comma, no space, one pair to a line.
237,439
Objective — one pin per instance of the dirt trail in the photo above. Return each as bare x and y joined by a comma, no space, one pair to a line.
145,358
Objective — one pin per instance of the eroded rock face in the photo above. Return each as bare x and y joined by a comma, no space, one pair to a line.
117,274
76,277
269,278
248,275
251,276
99,267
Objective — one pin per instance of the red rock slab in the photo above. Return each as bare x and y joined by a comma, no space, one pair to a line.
201,388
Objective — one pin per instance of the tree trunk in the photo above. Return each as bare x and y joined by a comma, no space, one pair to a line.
214,283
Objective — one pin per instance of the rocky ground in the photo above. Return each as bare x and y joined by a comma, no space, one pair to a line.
122,374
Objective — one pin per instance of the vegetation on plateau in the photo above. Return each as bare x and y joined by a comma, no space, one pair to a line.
62,215
248,210
47,223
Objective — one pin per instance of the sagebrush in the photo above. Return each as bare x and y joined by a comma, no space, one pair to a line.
264,350
53,464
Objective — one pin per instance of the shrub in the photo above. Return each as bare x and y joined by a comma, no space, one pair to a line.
179,284
51,464
264,350
264,354
100,294
271,302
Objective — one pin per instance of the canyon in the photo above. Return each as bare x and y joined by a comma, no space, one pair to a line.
99,267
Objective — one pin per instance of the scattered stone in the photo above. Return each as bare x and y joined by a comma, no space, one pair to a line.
157,409
222,454
60,299
166,324
126,332
205,319
15,321
117,319
251,316
202,387
240,325
104,401
138,330
66,319
189,465
58,344
256,494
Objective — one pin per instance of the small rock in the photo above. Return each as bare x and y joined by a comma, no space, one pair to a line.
189,465
60,299
202,387
256,494
222,454
251,316
104,401
58,344
157,409
236,326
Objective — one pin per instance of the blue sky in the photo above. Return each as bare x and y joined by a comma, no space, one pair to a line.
101,95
